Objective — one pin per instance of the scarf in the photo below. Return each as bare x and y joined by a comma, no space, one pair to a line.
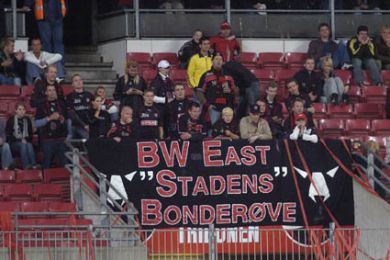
20,133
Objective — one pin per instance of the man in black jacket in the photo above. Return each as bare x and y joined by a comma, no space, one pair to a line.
189,48
191,126
310,82
247,83
176,109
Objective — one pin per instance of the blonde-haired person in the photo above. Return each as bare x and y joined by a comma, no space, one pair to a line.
130,87
226,127
383,47
334,90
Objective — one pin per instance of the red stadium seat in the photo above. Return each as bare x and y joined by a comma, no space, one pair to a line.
370,111
355,94
178,75
264,75
33,206
189,92
18,192
320,111
357,127
54,175
248,59
52,192
282,75
344,75
149,75
143,58
61,207
30,176
295,59
67,89
386,76
366,79
9,206
284,110
331,128
375,94
340,111
171,57
26,91
9,91
380,127
271,60
7,176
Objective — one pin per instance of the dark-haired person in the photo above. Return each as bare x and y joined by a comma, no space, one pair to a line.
125,127
325,46
189,48
253,127
50,120
78,103
130,87
363,52
310,81
191,126
199,63
294,93
226,127
176,109
149,119
298,107
19,133
302,131
99,120
216,89
274,109
40,85
225,43
11,64
37,60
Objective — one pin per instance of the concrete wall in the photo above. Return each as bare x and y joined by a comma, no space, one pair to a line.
115,51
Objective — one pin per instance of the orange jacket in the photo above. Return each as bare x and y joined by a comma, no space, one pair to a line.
39,15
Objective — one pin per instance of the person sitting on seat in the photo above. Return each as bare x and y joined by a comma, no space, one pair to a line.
334,90
11,64
302,131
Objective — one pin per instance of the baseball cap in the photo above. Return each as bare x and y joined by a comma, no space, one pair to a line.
254,109
225,25
163,64
301,117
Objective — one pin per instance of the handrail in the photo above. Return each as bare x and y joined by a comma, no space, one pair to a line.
375,179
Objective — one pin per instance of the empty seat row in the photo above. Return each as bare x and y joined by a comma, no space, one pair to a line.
35,206
34,176
334,128
344,111
29,192
13,92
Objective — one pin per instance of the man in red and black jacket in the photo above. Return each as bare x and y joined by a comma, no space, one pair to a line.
149,119
51,123
216,89
191,126
225,43
40,85
125,127
176,109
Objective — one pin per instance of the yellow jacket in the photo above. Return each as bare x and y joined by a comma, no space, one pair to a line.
198,65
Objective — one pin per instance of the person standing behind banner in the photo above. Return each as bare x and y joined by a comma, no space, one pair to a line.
125,127
199,63
189,49
149,119
191,126
99,120
176,109
107,104
226,127
225,43
253,128
302,131
49,15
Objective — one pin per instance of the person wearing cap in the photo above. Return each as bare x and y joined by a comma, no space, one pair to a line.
162,85
189,48
297,108
199,63
362,50
226,127
301,131
225,42
216,89
253,127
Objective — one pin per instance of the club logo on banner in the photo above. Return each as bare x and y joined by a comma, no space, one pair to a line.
228,183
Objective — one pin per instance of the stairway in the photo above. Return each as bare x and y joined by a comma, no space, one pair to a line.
86,61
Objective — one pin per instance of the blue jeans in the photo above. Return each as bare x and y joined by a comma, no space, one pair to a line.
340,56
372,67
4,80
252,94
52,36
26,152
33,72
51,148
6,156
214,115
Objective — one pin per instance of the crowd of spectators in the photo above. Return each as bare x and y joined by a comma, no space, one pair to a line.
226,103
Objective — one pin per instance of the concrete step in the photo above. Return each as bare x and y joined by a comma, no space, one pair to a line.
91,73
81,49
88,64
83,57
